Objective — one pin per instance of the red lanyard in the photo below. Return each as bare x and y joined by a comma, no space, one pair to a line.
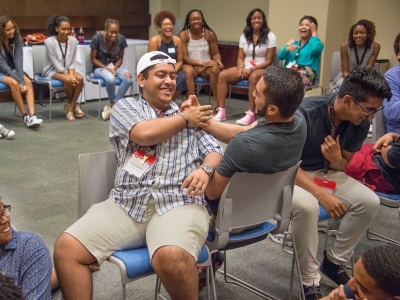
64,55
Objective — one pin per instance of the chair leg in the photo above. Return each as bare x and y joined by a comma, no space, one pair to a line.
123,291
296,261
208,281
98,115
381,238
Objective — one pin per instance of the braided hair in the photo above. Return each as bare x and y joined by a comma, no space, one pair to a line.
108,22
8,290
55,21
383,265
248,30
3,21
371,32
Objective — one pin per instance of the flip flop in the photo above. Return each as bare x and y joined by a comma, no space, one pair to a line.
78,112
69,115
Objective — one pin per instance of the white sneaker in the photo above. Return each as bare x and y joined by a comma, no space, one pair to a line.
6,133
106,113
32,121
279,238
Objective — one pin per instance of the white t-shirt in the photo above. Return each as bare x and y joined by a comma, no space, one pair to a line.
260,50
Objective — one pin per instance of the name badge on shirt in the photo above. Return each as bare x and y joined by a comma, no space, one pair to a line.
171,50
291,64
140,163
110,66
328,185
253,63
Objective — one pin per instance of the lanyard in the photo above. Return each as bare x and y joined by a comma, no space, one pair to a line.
62,52
109,49
362,57
253,54
299,49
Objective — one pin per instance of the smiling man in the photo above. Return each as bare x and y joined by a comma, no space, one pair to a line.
158,150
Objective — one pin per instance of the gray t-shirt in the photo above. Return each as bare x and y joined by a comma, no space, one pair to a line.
266,148
105,55
315,111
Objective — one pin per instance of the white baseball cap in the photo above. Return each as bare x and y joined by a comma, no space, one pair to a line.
153,58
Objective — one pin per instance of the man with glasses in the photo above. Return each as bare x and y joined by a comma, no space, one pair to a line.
25,258
337,125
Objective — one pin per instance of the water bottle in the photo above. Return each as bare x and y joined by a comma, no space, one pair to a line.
72,33
81,36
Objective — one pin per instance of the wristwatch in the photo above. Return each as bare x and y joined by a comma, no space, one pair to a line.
208,170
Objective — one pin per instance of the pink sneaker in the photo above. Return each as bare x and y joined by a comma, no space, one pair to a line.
221,115
247,119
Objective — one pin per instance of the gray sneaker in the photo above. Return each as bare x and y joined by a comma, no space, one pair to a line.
279,238
32,121
6,133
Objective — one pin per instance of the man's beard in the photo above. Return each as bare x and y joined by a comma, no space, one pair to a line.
262,112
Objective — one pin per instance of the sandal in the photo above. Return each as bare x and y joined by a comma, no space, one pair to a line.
78,112
69,116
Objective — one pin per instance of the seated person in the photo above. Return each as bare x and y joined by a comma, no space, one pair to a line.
257,47
200,52
6,133
376,276
148,205
170,44
25,258
61,63
392,107
12,72
304,55
378,166
273,143
107,55
359,50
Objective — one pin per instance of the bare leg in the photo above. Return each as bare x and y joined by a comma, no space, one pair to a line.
190,75
71,261
76,91
29,96
68,88
177,271
15,92
253,80
224,78
212,74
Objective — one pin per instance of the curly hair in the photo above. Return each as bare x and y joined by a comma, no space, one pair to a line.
371,32
165,14
364,82
248,30
383,265
309,18
396,45
108,22
55,21
3,22
8,290
187,24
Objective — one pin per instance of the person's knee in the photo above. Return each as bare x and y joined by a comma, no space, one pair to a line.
127,75
68,248
254,78
169,259
305,208
215,70
13,85
68,82
28,83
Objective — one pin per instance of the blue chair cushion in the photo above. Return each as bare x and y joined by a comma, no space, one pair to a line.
200,80
3,87
117,81
54,83
242,83
323,214
389,196
137,261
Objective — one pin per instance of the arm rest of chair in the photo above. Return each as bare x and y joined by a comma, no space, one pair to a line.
222,224
283,218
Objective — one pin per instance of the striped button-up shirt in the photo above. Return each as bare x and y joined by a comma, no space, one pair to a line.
177,157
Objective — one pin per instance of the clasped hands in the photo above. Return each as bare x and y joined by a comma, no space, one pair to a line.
198,116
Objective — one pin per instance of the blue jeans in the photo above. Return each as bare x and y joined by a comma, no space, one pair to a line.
109,78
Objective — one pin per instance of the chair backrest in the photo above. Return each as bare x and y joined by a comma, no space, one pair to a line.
38,58
96,178
276,61
140,51
336,65
88,62
258,198
378,126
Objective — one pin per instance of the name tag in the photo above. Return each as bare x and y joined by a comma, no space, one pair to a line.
140,163
110,65
171,50
328,185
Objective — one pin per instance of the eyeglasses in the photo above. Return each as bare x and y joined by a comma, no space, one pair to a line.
5,212
368,112
167,24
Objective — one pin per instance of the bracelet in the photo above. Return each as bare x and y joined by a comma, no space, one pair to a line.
184,117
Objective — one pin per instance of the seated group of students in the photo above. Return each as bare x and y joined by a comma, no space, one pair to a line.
165,206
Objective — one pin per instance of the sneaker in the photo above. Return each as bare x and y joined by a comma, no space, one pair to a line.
247,119
221,115
278,238
333,272
106,113
6,133
312,292
32,121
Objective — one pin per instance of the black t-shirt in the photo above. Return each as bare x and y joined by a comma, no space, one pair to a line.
315,111
391,174
105,55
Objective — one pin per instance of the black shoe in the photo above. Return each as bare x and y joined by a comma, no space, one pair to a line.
333,272
312,292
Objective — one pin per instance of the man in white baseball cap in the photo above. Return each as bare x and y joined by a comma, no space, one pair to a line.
159,150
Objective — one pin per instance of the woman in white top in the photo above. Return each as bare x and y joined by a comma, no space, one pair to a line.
60,63
257,47
200,51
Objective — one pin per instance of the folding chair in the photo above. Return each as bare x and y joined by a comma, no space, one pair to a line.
96,179
199,82
39,60
257,204
336,66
